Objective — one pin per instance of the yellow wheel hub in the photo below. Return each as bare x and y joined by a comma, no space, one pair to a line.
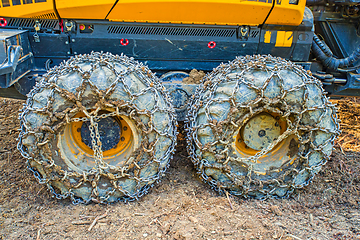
258,132
120,142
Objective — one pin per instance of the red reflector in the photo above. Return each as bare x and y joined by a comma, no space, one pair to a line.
3,22
211,44
124,42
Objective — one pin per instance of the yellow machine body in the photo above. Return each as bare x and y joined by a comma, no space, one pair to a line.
229,12
214,12
27,9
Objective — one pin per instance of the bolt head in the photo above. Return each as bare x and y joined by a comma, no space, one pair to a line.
261,133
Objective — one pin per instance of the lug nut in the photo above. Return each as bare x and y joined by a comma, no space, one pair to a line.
262,133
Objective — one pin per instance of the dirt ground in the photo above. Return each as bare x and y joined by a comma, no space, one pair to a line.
182,207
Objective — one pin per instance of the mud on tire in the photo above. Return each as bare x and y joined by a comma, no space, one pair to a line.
98,127
260,126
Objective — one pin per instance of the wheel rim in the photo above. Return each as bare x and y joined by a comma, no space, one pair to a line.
77,151
258,132
282,153
120,131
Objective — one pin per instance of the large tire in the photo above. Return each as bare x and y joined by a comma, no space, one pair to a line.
98,127
260,126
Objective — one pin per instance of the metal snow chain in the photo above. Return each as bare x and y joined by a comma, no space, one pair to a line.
37,27
96,144
221,70
49,81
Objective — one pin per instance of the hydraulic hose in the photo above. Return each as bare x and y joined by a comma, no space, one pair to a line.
322,45
324,54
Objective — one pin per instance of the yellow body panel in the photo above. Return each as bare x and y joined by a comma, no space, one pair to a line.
230,12
30,10
287,14
84,9
284,38
267,37
220,12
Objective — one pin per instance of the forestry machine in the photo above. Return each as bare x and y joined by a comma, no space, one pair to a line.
105,83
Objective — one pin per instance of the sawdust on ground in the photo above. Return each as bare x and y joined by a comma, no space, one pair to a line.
182,207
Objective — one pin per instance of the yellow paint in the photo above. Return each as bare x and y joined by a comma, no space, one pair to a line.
84,9
284,38
244,150
287,14
27,10
267,37
119,148
260,173
233,12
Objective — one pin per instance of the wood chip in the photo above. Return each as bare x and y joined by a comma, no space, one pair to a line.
276,210
38,234
140,214
121,228
202,229
156,200
165,213
80,222
97,219
228,198
292,236
193,219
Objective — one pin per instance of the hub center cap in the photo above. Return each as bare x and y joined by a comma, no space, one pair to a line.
109,130
260,131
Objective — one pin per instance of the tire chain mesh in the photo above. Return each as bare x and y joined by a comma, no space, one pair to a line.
249,184
122,108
